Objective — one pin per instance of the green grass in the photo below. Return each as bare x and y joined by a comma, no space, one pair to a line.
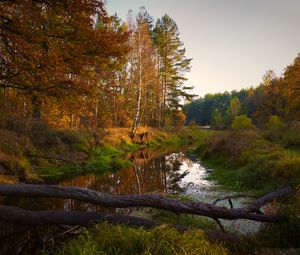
109,239
102,159
191,221
185,136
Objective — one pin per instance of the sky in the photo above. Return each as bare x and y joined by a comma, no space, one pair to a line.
232,42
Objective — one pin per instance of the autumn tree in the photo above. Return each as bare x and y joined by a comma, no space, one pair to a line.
269,97
52,49
140,73
291,81
73,65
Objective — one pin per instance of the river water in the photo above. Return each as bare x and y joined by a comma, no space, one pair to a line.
177,172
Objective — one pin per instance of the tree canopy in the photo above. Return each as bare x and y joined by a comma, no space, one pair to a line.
71,64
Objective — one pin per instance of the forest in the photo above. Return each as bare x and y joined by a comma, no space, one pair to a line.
275,99
105,149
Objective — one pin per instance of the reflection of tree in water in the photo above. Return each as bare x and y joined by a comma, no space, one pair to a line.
151,172
173,174
161,174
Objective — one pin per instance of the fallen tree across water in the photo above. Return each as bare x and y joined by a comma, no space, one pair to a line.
41,218
250,212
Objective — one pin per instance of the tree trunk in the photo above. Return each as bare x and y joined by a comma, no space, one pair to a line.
5,96
36,108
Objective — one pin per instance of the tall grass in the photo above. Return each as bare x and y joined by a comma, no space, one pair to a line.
110,239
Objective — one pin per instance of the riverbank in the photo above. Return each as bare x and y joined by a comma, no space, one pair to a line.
246,161
40,153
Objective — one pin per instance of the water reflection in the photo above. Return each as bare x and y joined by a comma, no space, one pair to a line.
151,172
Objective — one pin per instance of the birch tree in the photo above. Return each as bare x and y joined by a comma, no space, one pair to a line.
143,68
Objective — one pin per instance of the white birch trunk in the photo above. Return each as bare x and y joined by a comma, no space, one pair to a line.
136,120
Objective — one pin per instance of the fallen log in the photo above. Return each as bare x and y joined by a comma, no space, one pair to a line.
249,212
42,218
52,217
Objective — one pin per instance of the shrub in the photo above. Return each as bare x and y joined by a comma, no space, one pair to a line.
229,144
274,128
275,123
242,122
288,169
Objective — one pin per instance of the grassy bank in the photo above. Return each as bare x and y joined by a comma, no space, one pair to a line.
101,159
109,154
246,160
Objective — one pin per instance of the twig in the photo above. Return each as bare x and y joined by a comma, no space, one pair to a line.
231,197
220,225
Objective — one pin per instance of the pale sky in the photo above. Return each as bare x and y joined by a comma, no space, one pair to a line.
232,42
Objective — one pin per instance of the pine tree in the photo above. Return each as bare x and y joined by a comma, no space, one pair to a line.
172,65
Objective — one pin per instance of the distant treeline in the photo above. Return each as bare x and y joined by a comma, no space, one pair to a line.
278,96
72,65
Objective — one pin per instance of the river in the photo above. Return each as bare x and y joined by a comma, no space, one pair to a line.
179,172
